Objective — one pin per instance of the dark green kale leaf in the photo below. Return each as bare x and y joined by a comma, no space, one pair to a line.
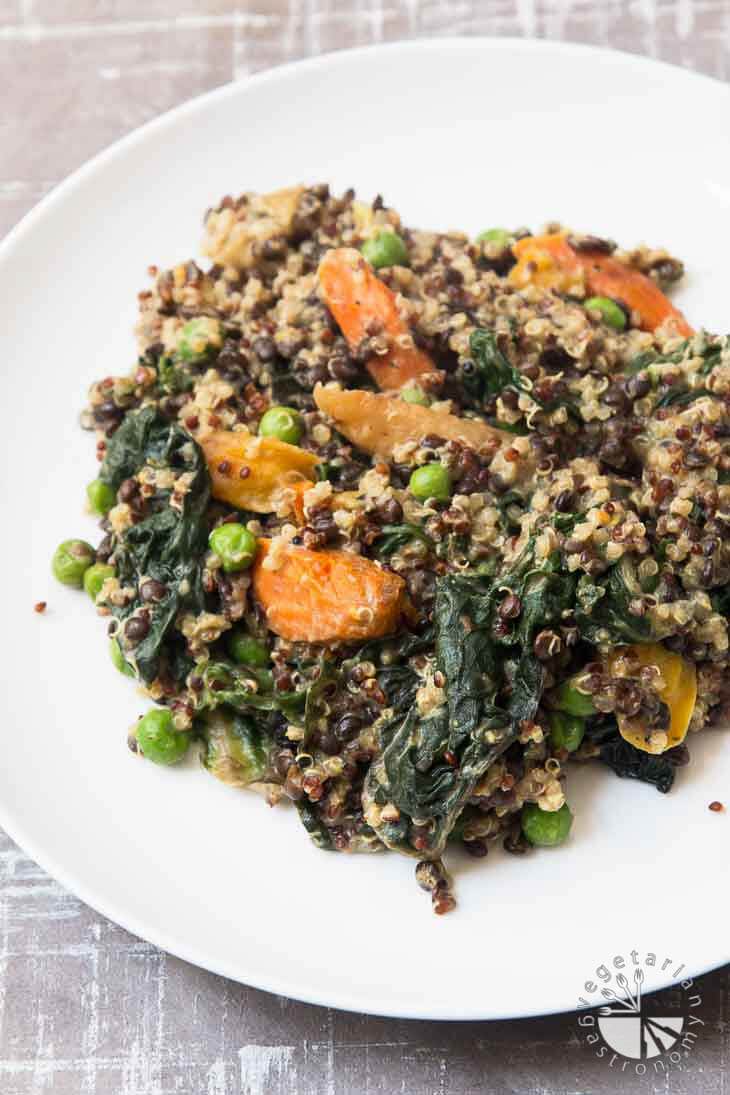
625,759
142,438
651,357
328,699
511,506
641,362
628,761
711,351
712,357
238,748
397,536
331,679
246,689
681,397
720,599
492,372
430,765
391,657
174,376
400,684
321,836
602,608
169,544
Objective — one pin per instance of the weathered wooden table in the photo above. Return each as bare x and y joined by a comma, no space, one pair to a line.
85,1007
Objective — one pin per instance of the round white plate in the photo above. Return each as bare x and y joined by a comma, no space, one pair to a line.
456,134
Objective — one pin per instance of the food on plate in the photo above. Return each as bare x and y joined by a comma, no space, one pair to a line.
400,525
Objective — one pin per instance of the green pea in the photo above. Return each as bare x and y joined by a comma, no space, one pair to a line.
415,395
283,423
566,730
495,235
118,660
246,650
611,312
569,699
234,545
545,828
95,577
101,497
158,740
385,249
70,562
199,338
431,481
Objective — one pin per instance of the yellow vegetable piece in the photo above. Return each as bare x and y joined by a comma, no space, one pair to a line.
679,694
256,473
538,265
378,423
235,236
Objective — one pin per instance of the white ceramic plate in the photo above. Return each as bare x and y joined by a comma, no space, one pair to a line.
462,133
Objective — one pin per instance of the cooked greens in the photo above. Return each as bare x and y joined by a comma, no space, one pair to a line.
489,372
166,547
492,688
237,750
409,611
604,609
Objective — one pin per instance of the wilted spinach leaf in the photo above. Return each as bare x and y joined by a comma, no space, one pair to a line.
681,397
492,372
246,689
626,760
640,362
602,608
511,506
318,831
397,536
143,437
431,763
711,352
167,545
237,747
720,599
174,376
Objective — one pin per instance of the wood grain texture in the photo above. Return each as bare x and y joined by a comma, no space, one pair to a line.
85,1008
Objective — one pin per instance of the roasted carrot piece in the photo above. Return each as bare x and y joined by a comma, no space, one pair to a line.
552,262
362,304
378,422
256,473
325,596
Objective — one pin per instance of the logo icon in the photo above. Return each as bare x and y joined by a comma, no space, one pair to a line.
637,1032
631,1025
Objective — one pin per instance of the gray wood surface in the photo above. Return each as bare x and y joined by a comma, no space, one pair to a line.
85,1008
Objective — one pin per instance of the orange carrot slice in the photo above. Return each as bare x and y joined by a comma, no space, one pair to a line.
363,305
550,261
325,596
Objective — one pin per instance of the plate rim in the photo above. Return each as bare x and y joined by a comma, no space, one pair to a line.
290,986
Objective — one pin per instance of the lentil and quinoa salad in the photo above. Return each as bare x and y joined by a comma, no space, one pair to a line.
396,523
